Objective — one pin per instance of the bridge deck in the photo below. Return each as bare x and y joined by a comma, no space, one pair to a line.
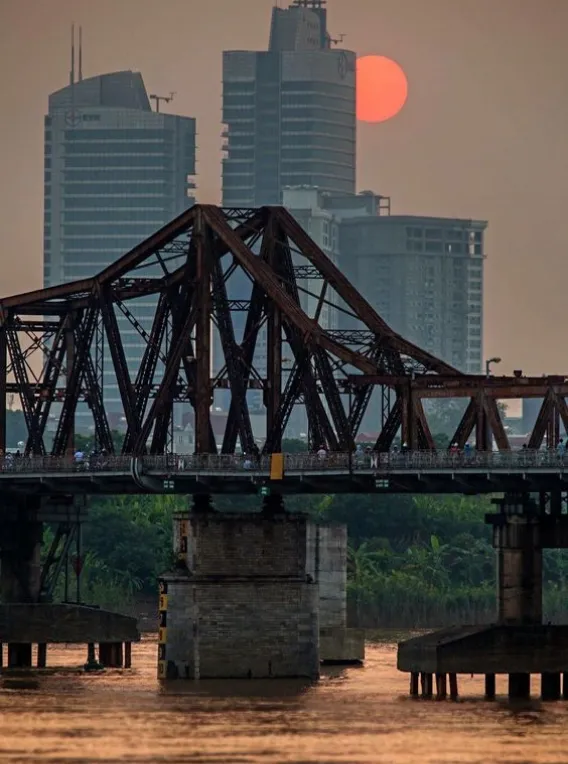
418,472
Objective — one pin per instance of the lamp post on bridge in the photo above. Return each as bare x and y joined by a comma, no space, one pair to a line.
488,436
488,365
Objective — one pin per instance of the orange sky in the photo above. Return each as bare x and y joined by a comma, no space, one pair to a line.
483,133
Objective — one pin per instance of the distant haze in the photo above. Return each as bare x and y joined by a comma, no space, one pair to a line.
483,134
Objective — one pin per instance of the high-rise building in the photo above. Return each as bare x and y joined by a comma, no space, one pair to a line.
115,172
289,116
424,275
289,111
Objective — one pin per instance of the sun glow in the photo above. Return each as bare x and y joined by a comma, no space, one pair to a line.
382,88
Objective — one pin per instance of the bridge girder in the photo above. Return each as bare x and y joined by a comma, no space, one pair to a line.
174,291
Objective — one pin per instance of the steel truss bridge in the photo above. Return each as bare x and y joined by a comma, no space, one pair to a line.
181,275
304,337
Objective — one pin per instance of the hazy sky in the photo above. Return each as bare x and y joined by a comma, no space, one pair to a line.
483,134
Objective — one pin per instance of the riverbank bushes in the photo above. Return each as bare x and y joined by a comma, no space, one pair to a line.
414,561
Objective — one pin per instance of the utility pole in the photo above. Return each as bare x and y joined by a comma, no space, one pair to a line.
165,99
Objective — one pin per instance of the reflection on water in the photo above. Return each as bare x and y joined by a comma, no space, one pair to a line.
352,715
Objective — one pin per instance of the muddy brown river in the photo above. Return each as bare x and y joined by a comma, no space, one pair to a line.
351,715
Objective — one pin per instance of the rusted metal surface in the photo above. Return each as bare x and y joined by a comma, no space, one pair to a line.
58,344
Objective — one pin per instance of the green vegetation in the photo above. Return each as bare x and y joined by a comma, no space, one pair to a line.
414,561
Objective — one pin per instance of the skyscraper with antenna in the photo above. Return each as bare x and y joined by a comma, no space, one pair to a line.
289,111
115,171
289,115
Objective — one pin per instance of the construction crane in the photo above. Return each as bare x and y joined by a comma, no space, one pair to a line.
339,40
165,99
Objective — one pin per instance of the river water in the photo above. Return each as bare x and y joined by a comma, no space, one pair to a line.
352,715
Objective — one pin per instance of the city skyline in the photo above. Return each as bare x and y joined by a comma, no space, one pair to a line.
481,134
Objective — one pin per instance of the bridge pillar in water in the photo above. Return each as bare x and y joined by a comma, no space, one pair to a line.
21,534
518,645
241,602
327,565
516,538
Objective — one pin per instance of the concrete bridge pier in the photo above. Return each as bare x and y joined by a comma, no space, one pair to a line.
519,563
21,534
28,614
327,565
518,644
254,550
516,537
240,602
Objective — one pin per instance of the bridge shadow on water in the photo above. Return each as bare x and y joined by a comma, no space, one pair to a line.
239,688
252,688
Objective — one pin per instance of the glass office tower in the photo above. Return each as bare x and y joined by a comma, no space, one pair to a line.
289,112
115,172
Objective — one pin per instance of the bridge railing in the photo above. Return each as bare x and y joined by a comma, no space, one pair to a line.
225,463
464,460
422,461
50,464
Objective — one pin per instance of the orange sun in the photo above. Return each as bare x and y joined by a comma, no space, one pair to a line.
382,88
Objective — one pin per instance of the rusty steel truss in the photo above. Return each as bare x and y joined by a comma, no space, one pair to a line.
56,345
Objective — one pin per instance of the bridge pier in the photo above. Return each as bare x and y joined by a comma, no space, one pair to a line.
27,614
516,537
519,644
241,603
327,565
21,534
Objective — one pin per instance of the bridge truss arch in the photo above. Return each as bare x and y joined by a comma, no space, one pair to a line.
53,343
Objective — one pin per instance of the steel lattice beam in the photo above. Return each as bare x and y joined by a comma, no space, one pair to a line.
59,344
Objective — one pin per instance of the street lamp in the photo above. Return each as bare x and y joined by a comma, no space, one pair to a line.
488,365
488,436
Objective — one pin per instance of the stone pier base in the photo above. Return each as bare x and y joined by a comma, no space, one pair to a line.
241,603
327,564
342,645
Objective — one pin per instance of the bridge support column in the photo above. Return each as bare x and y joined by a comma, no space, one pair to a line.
41,655
111,654
241,602
550,686
327,561
21,535
519,686
516,537
519,563
489,686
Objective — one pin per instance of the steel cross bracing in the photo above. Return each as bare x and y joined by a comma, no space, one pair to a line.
302,337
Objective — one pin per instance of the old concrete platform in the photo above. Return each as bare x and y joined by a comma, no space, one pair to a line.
51,623
495,649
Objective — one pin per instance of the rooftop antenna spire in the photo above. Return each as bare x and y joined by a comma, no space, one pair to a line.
72,72
80,53
165,99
